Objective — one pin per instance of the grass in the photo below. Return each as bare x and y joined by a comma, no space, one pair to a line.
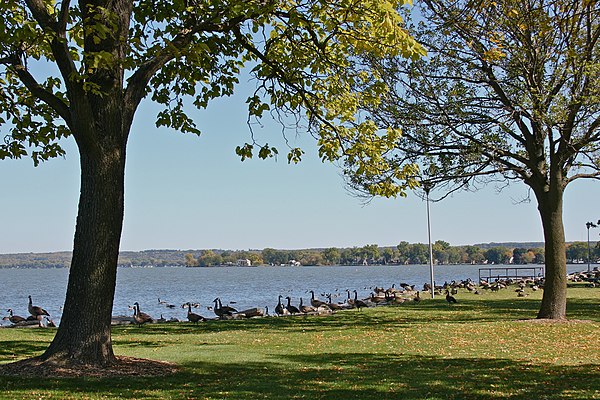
481,348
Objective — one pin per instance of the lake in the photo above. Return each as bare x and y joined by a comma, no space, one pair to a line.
243,287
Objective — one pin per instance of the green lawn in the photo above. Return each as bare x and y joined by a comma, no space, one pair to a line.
482,348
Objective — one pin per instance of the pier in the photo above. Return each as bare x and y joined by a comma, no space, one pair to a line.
497,273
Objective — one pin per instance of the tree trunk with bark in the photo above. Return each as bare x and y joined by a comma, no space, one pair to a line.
550,206
84,334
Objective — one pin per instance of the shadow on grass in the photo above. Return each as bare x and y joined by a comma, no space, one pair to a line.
401,316
21,348
339,376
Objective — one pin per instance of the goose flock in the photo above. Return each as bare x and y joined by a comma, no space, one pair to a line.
37,317
317,305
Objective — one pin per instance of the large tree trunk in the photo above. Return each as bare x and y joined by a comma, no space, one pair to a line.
84,334
554,300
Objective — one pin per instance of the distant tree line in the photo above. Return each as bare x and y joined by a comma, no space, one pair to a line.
372,254
403,253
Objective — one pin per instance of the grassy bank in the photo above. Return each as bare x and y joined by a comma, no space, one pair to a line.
482,348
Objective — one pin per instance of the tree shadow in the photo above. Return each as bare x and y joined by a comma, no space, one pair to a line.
21,348
341,376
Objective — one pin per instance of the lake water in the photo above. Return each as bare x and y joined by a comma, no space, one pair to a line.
246,286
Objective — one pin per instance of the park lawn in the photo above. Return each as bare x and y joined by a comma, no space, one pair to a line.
484,347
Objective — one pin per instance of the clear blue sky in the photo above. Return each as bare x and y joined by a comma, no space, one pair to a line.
189,192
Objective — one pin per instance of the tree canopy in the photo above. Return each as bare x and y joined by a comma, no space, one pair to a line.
184,54
509,92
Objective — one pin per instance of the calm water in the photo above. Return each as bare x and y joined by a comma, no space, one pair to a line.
247,287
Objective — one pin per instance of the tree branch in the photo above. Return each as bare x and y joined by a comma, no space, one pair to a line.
37,90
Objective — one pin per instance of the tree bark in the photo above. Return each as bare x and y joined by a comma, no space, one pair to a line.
554,300
84,334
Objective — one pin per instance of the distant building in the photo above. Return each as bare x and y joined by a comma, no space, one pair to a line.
244,263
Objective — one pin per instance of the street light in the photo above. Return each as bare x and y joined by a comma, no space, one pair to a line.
588,226
427,187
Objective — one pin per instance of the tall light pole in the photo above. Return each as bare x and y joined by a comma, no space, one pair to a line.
588,226
427,187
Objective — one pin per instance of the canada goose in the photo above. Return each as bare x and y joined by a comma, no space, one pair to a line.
46,322
417,297
168,305
226,309
221,311
36,311
349,300
392,289
279,308
292,309
359,303
450,299
333,306
377,299
15,319
139,317
192,317
306,309
315,302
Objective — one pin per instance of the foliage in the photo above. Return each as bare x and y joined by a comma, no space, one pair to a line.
578,251
300,53
509,91
443,253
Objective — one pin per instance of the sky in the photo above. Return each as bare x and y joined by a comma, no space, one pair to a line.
190,192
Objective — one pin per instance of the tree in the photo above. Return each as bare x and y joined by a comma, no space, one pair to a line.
331,256
509,92
190,261
209,258
100,59
539,258
275,257
498,255
403,251
577,251
418,253
475,255
522,256
369,253
440,251
388,254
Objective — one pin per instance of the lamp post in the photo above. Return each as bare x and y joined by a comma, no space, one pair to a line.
588,226
427,187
